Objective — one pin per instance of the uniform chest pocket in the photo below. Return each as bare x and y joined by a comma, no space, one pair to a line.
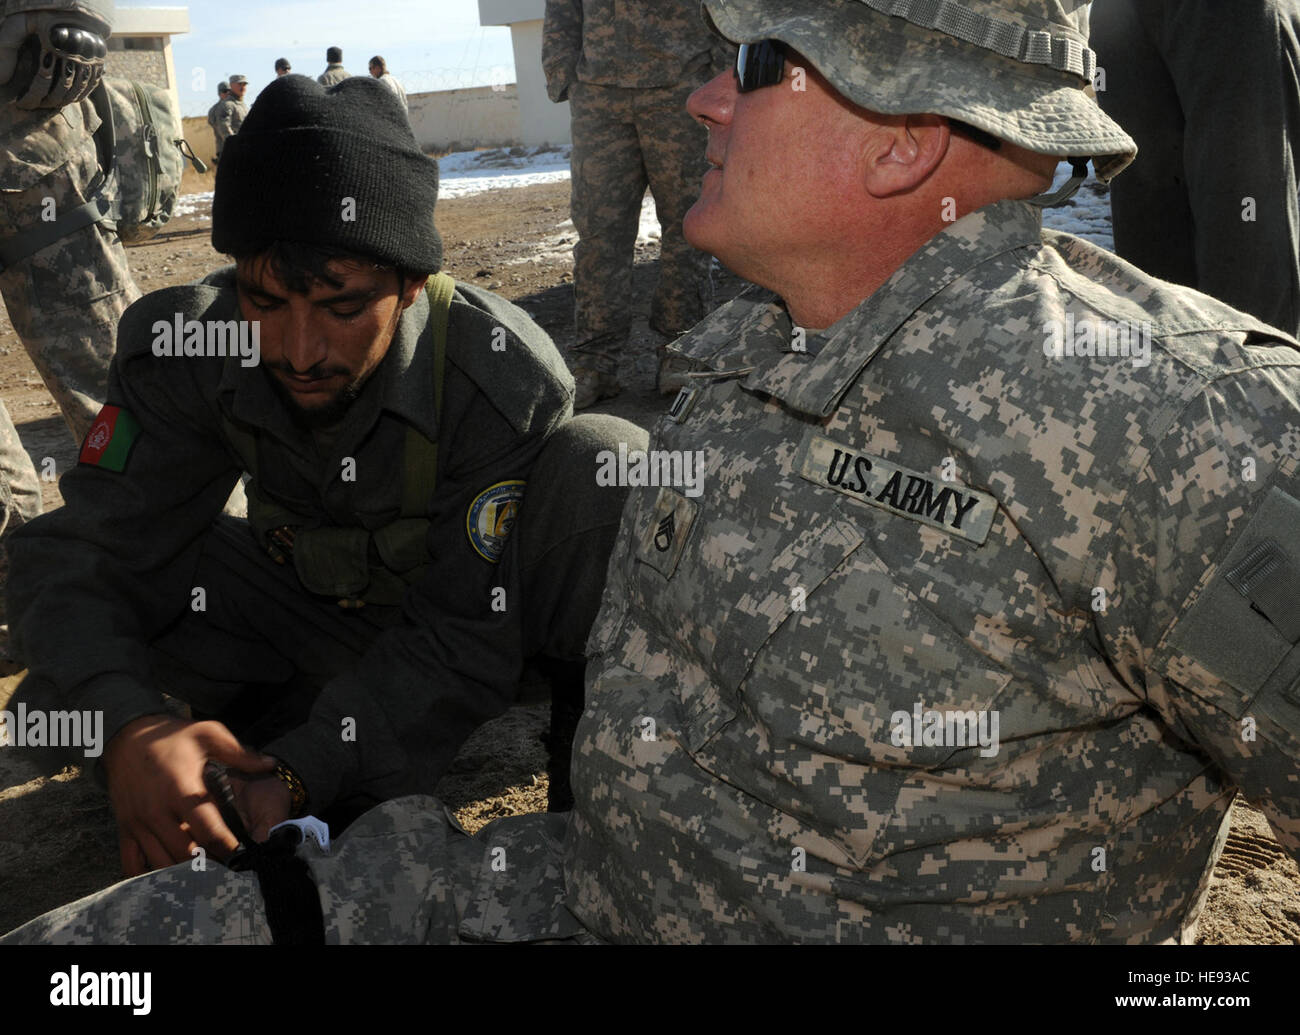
713,587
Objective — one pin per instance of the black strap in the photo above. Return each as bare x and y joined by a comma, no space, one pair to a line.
16,247
289,892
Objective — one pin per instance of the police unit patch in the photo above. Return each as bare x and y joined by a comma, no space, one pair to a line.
110,440
491,517
950,507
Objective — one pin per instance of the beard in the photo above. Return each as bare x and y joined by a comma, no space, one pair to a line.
322,416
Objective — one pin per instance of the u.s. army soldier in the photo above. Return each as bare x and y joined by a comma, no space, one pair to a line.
626,70
230,112
973,633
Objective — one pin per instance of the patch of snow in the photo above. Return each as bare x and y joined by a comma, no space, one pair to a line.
1086,215
197,205
472,172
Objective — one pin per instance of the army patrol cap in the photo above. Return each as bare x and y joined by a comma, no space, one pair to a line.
1019,69
335,167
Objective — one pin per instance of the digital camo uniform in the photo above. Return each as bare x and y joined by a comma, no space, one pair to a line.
926,511
626,70
214,116
65,299
230,114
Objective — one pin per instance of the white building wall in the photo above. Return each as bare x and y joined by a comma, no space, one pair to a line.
540,121
482,116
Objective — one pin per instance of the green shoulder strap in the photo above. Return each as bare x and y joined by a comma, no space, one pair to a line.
420,463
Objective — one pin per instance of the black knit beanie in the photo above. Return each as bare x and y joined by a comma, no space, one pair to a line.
337,168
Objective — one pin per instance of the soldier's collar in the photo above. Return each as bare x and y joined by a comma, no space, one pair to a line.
813,379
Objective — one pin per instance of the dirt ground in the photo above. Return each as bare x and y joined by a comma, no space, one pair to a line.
57,839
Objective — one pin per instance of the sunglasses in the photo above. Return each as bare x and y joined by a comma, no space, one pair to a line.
759,64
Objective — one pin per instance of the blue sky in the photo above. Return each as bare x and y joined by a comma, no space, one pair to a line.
429,44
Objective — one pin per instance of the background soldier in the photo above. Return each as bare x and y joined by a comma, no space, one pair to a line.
214,118
63,275
231,112
626,70
334,72
282,66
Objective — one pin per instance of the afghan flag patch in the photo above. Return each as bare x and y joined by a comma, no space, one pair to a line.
110,439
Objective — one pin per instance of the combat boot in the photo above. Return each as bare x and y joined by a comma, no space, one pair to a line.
595,376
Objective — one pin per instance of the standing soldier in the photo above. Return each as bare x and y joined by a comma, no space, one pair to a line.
214,118
63,275
231,112
626,70
334,72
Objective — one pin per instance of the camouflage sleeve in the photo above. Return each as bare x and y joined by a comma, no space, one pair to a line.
226,120
561,46
1204,585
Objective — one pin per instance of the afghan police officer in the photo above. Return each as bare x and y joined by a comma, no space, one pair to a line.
214,118
423,512
983,608
63,273
626,70
334,72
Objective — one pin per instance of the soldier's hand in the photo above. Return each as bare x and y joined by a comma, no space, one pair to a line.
155,782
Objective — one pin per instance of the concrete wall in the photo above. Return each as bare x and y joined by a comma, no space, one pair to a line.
141,45
481,116
540,121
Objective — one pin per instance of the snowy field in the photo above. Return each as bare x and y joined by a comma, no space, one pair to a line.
475,172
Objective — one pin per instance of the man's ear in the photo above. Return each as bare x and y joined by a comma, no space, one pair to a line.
411,290
902,153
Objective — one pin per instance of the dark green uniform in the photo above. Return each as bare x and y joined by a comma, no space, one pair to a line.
135,587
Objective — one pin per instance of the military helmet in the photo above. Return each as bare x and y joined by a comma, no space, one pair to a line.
1018,69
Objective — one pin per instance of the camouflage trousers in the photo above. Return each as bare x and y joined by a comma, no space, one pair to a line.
1224,220
624,139
64,301
404,873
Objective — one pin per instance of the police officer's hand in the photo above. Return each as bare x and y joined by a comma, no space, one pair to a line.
154,766
263,801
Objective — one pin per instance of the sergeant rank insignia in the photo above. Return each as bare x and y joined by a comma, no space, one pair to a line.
491,517
949,507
